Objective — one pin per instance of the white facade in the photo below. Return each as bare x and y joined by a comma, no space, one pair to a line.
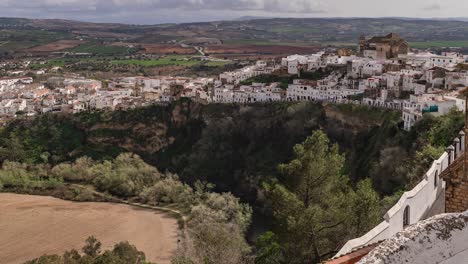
372,68
433,104
418,203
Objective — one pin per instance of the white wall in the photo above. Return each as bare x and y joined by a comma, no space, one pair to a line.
441,239
420,200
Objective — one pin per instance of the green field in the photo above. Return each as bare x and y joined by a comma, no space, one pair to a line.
265,42
217,63
23,39
165,61
440,44
175,60
61,62
102,50
289,29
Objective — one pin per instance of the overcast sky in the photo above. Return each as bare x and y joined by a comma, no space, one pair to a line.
165,11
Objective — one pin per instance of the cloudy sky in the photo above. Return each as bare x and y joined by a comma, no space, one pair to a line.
164,11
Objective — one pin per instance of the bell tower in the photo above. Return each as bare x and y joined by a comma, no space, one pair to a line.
362,44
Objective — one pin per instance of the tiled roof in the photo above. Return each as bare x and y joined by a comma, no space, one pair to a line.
354,256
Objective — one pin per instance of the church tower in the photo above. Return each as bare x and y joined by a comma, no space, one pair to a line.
362,45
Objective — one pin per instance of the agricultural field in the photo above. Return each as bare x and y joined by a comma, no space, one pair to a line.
103,50
272,49
175,60
264,42
158,48
14,40
293,29
58,226
56,46
440,44
62,62
167,49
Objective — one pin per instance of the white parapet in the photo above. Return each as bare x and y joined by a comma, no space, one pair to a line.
416,204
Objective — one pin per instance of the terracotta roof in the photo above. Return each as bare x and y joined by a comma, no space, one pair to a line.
354,256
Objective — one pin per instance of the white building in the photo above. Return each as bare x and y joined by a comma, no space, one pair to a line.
433,104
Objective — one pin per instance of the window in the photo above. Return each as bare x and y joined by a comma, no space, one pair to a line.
436,176
406,217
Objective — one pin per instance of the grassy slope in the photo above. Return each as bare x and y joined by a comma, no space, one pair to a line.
440,44
23,39
102,50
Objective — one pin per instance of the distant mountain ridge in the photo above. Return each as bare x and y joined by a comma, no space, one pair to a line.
251,30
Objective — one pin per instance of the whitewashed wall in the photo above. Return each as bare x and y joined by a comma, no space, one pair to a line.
420,200
422,243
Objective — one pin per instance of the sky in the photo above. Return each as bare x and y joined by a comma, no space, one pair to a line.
178,11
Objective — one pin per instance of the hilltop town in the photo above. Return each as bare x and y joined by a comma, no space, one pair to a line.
381,73
280,140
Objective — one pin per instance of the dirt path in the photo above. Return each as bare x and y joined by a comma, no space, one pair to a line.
31,226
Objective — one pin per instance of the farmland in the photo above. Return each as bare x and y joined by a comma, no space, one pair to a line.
59,225
56,46
115,39
440,44
103,50
173,60
23,39
166,49
165,61
260,49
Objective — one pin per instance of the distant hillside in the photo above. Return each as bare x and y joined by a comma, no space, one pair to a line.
253,30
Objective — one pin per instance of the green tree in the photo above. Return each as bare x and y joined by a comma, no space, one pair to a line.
92,247
124,253
312,214
216,231
366,208
317,169
268,250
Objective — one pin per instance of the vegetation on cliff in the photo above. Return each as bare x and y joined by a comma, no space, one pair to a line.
360,162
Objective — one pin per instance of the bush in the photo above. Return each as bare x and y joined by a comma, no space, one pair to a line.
167,191
79,171
125,176
19,176
122,253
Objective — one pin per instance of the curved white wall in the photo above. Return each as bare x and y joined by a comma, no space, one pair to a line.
420,201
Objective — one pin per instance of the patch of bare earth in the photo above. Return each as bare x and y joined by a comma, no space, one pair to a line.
31,226
56,46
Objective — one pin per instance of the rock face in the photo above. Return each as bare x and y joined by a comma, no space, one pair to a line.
441,239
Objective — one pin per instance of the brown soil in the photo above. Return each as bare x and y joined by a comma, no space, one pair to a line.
56,46
31,226
259,49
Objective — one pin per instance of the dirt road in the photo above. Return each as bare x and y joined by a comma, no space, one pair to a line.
31,226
